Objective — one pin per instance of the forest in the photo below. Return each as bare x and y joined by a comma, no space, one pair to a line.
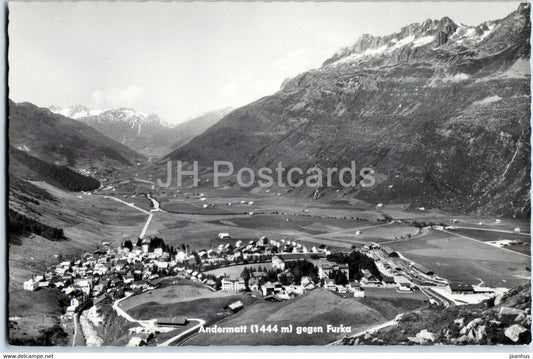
61,176
20,224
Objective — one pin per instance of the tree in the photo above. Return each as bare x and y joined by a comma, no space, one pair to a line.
127,244
356,261
339,277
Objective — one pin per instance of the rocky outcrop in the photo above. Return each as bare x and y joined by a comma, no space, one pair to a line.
423,337
515,333
481,324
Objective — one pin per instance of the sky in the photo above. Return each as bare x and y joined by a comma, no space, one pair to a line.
180,60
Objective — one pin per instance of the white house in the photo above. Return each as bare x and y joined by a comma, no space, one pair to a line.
233,285
277,262
31,285
359,293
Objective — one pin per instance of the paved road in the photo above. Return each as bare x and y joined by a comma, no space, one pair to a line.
146,324
145,228
188,331
76,331
150,325
155,203
128,204
432,294
370,330
149,213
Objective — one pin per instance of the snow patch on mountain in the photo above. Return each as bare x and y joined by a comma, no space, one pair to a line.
423,41
75,112
472,34
119,115
431,33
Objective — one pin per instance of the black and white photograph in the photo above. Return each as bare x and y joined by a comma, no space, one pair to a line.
268,174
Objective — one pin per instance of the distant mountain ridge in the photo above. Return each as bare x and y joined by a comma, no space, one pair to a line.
440,111
142,132
44,146
75,111
433,33
57,139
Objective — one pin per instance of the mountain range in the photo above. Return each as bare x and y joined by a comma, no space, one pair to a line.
439,110
142,132
50,147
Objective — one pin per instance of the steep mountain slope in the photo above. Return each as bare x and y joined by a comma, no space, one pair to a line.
63,141
440,111
144,133
184,132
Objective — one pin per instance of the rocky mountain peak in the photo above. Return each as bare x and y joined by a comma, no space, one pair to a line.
431,34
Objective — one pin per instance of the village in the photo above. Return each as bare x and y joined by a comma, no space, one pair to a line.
277,270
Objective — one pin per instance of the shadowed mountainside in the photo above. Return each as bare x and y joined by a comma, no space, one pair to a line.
439,110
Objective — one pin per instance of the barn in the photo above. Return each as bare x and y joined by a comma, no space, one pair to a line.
390,252
172,322
424,269
460,288
235,306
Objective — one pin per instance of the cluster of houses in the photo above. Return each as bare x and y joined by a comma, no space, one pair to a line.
132,269
277,291
129,269
117,272
324,268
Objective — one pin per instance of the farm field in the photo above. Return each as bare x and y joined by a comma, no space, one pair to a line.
459,259
89,220
389,303
182,207
169,293
207,307
316,308
201,232
493,236
235,271
373,233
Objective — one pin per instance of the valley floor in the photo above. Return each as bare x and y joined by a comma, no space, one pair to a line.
470,253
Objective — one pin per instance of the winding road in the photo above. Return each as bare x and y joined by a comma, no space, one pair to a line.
201,322
370,330
151,324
